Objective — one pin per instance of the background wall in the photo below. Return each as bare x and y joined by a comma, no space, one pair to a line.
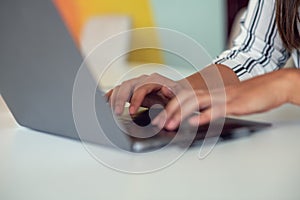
203,20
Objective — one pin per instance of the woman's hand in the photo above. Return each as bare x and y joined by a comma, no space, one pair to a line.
143,91
256,95
156,89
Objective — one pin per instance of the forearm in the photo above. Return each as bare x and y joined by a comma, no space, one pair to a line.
212,72
293,80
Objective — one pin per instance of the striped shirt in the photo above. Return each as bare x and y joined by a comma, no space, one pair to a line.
258,49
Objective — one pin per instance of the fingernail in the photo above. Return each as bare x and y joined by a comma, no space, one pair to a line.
161,124
155,121
132,110
193,122
160,120
171,125
118,110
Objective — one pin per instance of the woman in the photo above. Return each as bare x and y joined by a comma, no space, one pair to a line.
251,72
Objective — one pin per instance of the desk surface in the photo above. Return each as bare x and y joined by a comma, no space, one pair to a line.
263,166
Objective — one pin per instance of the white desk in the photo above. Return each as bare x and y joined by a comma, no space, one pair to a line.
37,166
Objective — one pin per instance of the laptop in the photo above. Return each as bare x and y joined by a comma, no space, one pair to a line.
39,63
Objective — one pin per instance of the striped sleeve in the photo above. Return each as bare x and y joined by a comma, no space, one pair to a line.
258,49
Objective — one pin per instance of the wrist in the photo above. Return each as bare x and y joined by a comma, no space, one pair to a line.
213,74
292,81
191,83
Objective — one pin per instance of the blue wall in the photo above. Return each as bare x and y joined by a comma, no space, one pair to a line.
203,20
